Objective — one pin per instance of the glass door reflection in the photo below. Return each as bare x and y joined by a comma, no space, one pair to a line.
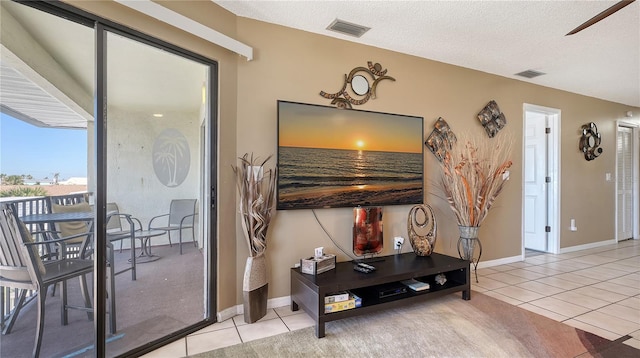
154,177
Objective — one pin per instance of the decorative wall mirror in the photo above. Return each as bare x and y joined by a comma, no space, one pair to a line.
357,88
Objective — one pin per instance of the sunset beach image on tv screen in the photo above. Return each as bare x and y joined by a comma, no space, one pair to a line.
330,157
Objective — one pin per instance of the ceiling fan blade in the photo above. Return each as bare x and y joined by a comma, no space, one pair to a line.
600,16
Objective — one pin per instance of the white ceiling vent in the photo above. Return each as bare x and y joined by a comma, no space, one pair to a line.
530,74
348,28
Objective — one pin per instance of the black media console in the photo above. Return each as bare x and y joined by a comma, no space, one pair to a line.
308,291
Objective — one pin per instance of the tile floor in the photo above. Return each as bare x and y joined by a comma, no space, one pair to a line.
596,290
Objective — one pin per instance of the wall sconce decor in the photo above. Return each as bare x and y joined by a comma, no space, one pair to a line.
356,88
492,119
590,141
441,139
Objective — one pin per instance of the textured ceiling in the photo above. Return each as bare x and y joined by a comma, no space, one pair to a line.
498,37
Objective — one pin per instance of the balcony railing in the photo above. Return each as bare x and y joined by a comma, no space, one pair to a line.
29,206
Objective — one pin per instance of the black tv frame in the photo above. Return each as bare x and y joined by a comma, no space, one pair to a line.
308,173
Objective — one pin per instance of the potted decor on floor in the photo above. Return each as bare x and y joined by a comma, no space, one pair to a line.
256,187
474,173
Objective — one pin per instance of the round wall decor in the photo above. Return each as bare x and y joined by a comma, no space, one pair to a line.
590,141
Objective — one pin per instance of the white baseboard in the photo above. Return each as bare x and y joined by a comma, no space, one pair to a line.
230,312
498,262
592,245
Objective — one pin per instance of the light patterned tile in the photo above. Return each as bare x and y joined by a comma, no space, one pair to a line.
622,312
486,271
489,284
520,264
173,349
529,275
507,278
502,268
205,342
476,288
594,260
251,332
286,311
619,267
239,319
635,334
581,299
627,280
541,288
217,326
544,269
633,302
519,293
575,277
559,306
601,294
543,312
504,298
592,329
571,264
599,273
635,343
623,290
560,283
633,261
298,321
609,323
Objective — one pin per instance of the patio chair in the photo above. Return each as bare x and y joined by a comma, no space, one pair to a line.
116,231
21,268
72,228
182,213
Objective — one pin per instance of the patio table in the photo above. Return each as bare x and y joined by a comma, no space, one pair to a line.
52,218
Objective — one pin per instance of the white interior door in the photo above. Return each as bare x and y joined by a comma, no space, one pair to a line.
535,186
624,178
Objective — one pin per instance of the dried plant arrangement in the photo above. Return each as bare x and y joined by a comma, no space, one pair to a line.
474,173
256,187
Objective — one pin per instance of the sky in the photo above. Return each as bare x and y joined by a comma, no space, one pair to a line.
303,125
41,152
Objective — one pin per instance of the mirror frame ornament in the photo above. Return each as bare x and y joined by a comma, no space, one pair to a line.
356,92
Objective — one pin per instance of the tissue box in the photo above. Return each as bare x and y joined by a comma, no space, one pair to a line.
316,265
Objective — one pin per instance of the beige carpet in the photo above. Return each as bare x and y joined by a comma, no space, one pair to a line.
445,327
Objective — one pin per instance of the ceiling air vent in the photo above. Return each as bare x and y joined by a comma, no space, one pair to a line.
347,28
530,74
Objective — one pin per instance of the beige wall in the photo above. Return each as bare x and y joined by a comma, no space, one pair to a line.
295,65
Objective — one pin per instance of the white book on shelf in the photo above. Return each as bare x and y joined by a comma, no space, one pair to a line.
415,284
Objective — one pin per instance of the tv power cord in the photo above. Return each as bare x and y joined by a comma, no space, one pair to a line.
329,236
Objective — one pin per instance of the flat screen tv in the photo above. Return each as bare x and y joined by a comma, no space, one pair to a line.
330,157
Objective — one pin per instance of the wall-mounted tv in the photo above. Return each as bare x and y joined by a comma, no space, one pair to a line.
330,157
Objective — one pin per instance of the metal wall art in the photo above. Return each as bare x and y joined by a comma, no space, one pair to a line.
492,119
590,141
441,139
357,88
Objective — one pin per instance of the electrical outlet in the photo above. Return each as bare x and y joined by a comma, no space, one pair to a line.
397,242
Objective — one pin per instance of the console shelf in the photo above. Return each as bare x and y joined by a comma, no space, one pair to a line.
308,291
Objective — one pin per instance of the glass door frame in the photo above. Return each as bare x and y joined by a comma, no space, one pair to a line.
101,26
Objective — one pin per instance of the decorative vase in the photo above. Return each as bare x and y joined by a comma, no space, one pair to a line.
255,288
421,226
467,244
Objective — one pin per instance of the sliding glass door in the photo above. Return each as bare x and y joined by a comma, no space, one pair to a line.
155,112
146,110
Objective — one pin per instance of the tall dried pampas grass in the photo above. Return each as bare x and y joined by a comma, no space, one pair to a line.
256,201
473,175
